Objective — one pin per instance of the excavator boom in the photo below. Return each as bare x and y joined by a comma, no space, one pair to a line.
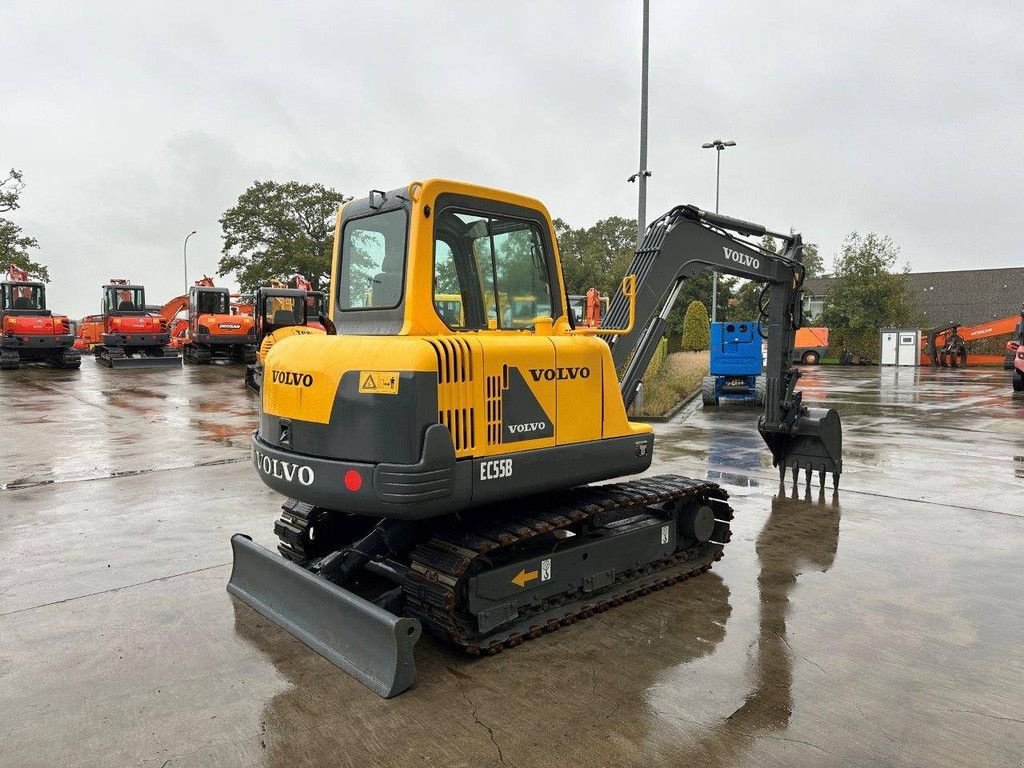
687,241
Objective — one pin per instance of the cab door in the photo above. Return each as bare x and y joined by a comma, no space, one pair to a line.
498,267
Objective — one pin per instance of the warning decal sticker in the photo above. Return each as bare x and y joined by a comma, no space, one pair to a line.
378,382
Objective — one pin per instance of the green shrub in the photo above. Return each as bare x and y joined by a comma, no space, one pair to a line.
696,328
660,352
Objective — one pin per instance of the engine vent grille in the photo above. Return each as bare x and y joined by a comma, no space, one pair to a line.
493,410
455,391
454,360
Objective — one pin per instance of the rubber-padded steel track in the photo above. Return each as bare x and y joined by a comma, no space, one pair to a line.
436,586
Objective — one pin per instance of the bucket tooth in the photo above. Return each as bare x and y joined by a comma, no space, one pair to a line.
370,643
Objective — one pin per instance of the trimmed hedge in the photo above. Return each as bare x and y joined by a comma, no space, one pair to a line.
696,328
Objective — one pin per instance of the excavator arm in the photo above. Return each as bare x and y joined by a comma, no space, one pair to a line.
685,242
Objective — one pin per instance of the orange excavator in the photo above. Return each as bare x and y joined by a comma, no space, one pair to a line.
203,327
588,308
945,346
125,334
28,330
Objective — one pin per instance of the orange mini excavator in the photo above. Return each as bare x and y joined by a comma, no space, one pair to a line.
125,334
203,327
28,330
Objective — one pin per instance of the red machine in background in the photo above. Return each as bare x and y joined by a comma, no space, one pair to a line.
29,332
124,334
1015,354
316,301
204,328
587,309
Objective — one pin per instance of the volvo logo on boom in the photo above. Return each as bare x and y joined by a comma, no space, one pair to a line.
741,258
559,374
292,378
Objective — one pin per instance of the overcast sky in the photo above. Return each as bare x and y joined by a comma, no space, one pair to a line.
136,122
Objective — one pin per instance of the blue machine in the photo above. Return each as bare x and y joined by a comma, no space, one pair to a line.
736,364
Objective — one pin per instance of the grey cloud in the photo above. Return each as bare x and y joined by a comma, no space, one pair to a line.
137,122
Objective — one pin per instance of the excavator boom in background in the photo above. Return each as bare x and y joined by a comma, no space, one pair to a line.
439,464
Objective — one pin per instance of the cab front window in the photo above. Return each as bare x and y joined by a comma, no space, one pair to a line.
212,303
127,299
24,297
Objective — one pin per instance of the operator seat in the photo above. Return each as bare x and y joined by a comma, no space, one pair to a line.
283,317
23,303
387,284
126,306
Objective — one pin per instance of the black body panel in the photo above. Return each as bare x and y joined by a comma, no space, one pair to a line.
43,342
436,484
364,428
135,339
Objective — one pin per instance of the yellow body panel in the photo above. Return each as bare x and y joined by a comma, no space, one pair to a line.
285,333
325,359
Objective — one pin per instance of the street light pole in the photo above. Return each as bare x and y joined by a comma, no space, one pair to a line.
718,145
642,174
184,253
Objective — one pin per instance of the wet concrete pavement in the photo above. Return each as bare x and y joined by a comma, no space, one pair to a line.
879,626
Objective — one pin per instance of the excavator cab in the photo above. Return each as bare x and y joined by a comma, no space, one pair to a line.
123,299
279,313
445,440
22,297
210,301
279,308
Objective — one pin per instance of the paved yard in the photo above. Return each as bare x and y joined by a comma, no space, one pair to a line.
879,626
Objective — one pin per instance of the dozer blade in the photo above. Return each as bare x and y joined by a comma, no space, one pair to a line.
370,643
144,362
815,443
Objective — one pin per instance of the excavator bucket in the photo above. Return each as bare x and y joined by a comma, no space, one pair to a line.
370,643
813,443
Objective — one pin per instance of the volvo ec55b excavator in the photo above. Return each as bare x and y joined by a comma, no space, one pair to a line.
437,464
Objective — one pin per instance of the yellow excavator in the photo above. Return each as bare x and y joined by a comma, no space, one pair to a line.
443,469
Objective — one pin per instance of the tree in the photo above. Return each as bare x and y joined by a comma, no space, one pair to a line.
813,264
15,246
744,304
696,328
596,256
866,293
10,191
276,230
